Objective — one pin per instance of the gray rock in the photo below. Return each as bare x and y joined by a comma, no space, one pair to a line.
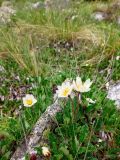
44,122
37,5
6,11
114,93
108,13
100,16
118,20
57,4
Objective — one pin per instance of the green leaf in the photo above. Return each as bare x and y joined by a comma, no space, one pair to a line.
83,133
58,156
66,120
66,153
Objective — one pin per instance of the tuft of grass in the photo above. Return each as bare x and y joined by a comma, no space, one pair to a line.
30,35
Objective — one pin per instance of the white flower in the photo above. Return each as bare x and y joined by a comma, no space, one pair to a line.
79,86
29,100
100,140
46,152
86,64
64,90
90,100
118,58
74,17
107,85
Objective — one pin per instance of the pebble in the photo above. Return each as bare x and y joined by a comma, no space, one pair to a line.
99,16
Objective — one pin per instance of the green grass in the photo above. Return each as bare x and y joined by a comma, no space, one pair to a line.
33,46
77,135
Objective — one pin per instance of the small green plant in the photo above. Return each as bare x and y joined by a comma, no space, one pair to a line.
84,128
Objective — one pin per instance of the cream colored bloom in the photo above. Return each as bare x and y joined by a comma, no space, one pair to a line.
46,152
90,100
107,85
29,100
100,140
79,86
118,58
64,90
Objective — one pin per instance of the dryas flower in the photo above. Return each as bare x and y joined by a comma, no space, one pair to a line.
100,140
90,100
46,152
118,58
107,85
79,86
29,100
64,90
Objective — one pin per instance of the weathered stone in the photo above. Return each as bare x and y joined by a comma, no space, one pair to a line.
100,16
118,20
6,11
34,6
57,4
44,122
108,13
114,93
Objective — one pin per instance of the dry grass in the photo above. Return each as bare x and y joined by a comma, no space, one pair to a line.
21,42
28,42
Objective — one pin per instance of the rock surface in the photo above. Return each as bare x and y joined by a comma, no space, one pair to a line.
6,11
35,6
108,13
100,16
118,20
44,122
57,4
49,4
114,93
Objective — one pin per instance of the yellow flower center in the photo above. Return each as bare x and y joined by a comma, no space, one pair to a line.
78,86
29,101
65,92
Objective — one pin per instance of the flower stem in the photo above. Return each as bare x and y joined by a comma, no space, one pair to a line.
73,111
78,103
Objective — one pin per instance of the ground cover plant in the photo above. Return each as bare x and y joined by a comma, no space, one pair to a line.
40,49
85,128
